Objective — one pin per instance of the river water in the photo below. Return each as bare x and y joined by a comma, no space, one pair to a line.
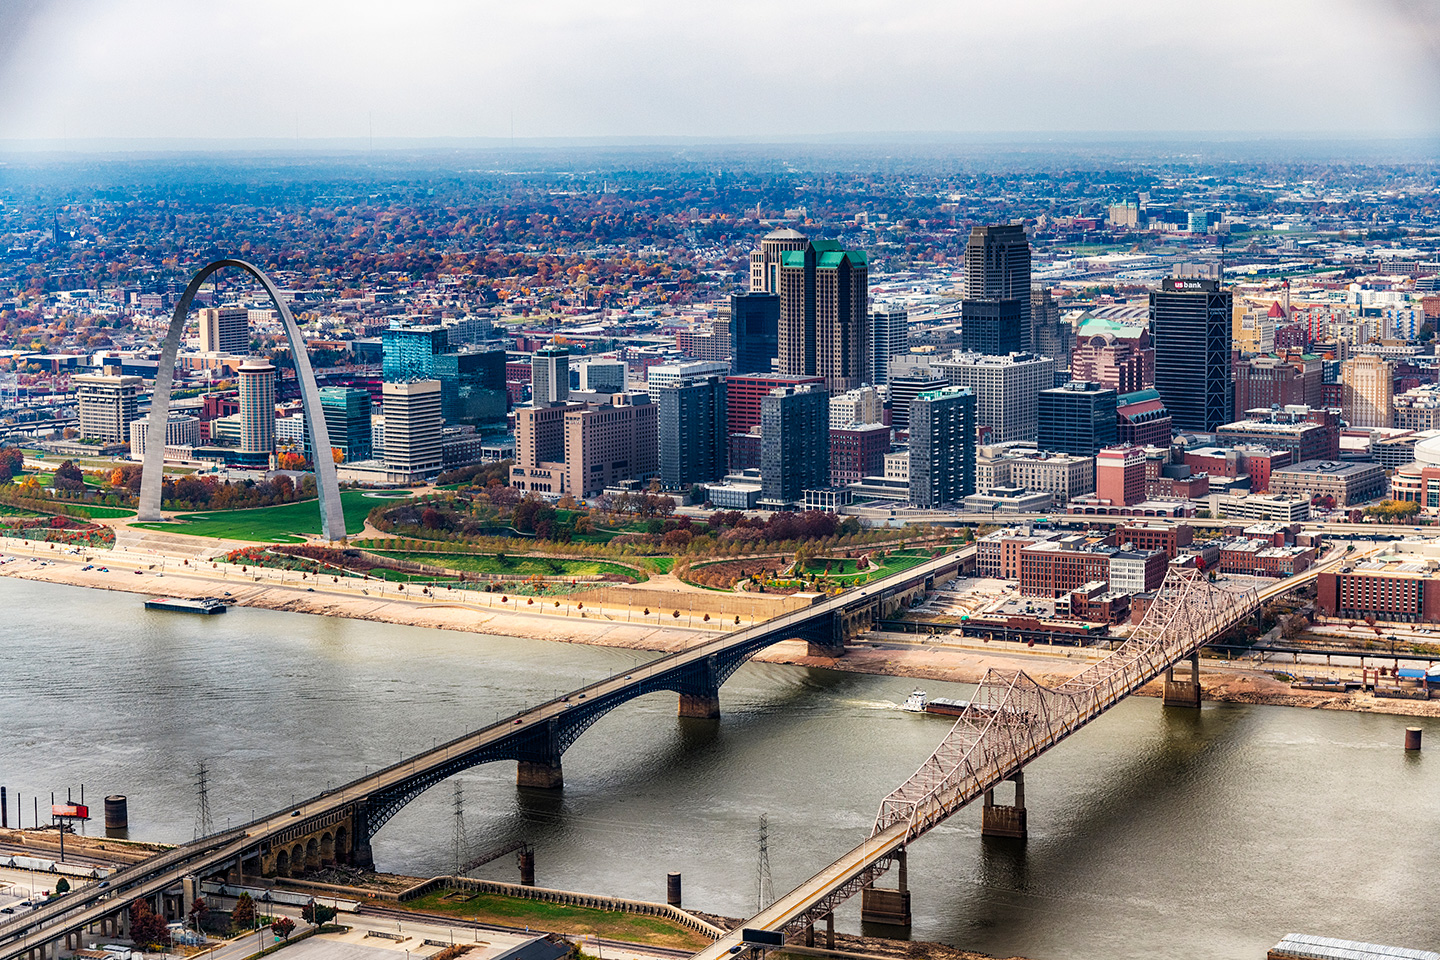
1154,832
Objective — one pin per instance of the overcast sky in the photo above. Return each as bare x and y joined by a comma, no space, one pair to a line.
753,68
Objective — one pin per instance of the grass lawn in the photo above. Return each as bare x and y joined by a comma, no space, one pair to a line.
101,511
894,563
553,917
512,566
663,564
284,523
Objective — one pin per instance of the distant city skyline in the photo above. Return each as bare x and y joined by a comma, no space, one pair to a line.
115,70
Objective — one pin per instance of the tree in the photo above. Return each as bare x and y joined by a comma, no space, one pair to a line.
62,886
199,910
283,928
317,913
147,927
243,916
69,478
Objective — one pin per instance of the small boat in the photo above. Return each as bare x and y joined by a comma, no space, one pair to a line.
915,703
205,605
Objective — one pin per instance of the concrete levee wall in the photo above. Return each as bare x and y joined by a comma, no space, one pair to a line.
665,602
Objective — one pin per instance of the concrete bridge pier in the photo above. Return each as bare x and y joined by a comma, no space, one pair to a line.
1183,693
998,820
827,639
885,908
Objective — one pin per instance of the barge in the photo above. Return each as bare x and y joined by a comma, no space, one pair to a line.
203,605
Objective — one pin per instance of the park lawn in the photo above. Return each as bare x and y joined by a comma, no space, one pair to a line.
558,918
663,564
282,523
893,564
98,510
513,566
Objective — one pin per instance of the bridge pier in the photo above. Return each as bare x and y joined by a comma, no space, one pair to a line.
998,820
885,908
702,700
539,776
1183,693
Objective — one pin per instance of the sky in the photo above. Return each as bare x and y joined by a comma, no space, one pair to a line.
73,70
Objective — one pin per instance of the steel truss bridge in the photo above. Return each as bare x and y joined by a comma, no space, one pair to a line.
337,825
1011,721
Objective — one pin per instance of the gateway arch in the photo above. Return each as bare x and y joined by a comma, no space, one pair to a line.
332,517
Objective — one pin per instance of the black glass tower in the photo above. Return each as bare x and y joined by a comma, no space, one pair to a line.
1190,325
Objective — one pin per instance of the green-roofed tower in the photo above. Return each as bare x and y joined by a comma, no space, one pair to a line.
824,305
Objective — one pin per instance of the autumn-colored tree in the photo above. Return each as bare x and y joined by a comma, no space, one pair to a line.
69,478
290,460
283,927
337,454
199,910
147,927
243,916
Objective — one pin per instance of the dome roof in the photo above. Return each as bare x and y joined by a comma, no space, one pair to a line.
1428,451
785,233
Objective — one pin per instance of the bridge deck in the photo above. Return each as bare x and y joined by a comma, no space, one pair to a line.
1010,722
88,904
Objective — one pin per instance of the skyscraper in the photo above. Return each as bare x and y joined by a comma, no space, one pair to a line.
692,431
1190,324
412,427
1078,418
1049,335
824,308
765,261
997,268
472,387
1007,390
550,376
410,351
347,420
794,443
996,327
889,337
755,327
257,411
1369,391
224,330
942,446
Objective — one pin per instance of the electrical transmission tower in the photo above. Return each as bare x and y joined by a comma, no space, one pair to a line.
461,846
764,890
203,826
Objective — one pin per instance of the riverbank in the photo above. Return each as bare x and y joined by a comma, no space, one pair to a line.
617,627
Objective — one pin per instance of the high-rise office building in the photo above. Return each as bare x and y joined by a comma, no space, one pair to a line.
765,261
755,327
993,326
794,444
743,395
257,410
602,375
580,449
347,420
224,330
472,387
997,270
107,405
889,338
1007,390
824,314
1049,335
410,351
692,431
1369,391
413,427
1190,323
942,447
1078,418
862,405
550,376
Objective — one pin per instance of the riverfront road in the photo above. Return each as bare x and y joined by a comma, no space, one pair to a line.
535,737
971,772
